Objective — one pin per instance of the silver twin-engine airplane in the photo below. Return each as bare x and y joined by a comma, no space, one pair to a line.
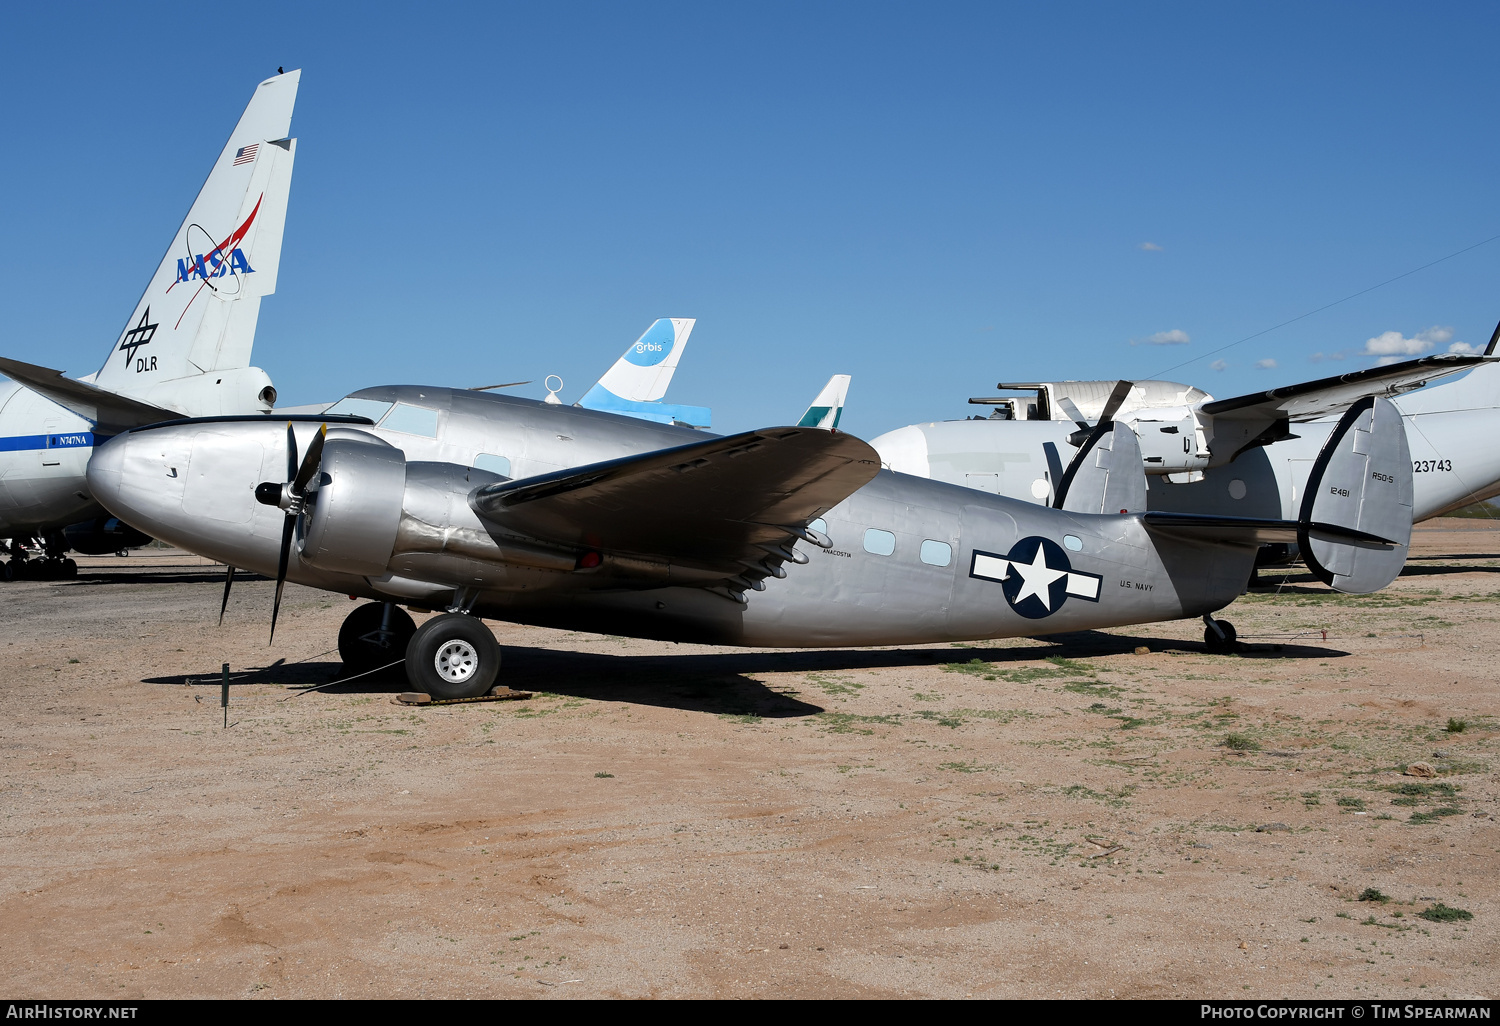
785,536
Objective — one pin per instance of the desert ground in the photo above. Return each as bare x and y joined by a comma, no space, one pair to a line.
1108,814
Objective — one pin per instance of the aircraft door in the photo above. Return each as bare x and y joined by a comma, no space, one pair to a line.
979,608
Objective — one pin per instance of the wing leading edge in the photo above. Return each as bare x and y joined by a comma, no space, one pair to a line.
722,505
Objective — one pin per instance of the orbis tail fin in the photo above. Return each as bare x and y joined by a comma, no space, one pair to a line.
187,344
636,383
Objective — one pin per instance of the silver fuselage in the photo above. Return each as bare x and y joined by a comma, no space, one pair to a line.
191,484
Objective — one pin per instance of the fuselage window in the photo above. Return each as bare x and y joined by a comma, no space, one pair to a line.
412,420
374,409
494,464
1073,542
937,553
820,525
881,543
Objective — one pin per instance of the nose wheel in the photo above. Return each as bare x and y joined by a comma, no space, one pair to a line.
453,656
374,635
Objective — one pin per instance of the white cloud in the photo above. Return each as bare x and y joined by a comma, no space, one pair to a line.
1151,247
1266,364
1218,365
1175,337
1464,349
1393,344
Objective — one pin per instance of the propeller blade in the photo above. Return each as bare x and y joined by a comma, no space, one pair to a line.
1074,413
1116,400
288,529
228,581
291,452
310,461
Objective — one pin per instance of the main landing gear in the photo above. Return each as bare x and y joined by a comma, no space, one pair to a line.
450,656
1219,635
53,566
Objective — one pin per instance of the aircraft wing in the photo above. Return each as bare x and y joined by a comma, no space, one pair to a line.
110,411
1313,399
709,505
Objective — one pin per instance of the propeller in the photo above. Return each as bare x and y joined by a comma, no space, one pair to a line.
1086,436
292,497
1106,416
228,583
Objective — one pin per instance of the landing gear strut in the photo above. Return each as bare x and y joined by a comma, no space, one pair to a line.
453,656
374,635
1219,635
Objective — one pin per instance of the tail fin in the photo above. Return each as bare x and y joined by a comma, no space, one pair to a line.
1361,482
187,344
635,384
828,407
1107,475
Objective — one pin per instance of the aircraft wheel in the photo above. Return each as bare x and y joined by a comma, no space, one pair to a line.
1217,644
4,571
361,644
453,656
69,568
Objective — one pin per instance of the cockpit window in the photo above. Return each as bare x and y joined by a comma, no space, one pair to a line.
350,406
413,420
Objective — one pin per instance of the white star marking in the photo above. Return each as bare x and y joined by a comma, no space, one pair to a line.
1037,577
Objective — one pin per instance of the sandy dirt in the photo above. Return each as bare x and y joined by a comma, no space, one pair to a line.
1028,818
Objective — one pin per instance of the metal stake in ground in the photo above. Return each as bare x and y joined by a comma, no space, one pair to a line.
224,696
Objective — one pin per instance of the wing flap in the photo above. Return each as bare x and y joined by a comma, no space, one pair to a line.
709,504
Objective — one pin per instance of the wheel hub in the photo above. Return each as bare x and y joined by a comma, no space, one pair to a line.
456,661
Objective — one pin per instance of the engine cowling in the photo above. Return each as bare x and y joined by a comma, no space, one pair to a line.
353,507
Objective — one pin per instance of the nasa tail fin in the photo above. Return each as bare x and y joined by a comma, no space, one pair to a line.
1107,475
1361,482
186,346
828,407
636,383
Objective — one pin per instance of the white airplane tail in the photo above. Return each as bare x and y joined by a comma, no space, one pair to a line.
636,383
828,407
186,346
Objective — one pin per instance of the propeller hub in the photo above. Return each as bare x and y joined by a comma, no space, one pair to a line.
268,493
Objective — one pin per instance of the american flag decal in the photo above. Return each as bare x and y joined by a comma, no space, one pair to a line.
245,154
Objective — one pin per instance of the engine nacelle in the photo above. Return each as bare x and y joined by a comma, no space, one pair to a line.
354,505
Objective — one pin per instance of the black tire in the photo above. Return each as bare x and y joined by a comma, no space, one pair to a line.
1216,643
4,572
69,568
361,645
453,656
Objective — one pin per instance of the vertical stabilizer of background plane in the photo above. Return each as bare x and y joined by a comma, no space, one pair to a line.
828,407
187,344
636,383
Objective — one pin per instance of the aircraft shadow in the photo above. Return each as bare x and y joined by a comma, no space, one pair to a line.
720,683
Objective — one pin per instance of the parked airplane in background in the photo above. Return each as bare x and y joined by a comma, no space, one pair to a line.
1247,456
635,385
788,537
184,351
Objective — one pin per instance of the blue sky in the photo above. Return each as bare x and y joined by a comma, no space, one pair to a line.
930,197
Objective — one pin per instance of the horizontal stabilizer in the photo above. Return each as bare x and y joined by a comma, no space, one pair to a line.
710,504
110,412
1249,531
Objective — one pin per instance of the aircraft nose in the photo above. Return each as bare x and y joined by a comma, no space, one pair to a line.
139,476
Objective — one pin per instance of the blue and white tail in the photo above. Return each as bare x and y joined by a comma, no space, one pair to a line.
186,346
636,383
